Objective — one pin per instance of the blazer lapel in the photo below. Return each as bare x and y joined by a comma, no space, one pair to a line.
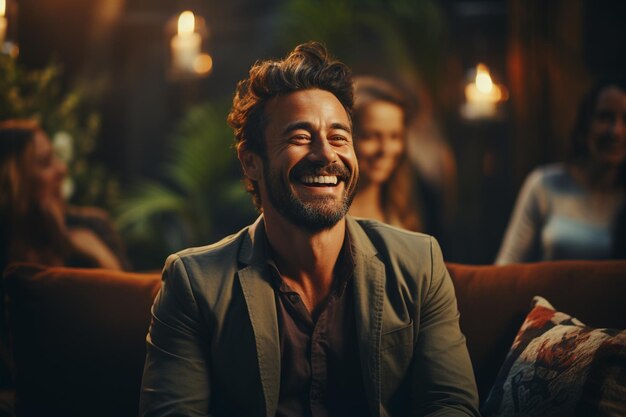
369,282
259,296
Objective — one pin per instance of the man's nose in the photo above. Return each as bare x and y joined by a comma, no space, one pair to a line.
322,150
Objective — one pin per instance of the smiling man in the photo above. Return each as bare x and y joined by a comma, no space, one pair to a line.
307,312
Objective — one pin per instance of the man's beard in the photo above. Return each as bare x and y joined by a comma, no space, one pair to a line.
319,214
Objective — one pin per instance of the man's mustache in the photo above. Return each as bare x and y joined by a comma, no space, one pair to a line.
307,168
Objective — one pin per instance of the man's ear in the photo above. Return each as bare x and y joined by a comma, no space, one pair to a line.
250,163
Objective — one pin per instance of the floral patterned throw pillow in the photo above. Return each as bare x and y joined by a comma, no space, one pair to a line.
557,366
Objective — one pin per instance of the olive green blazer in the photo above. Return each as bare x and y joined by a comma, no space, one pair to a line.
213,345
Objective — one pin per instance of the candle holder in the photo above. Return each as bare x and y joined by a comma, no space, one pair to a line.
482,95
187,38
8,28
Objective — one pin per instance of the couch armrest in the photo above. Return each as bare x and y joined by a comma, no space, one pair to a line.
78,338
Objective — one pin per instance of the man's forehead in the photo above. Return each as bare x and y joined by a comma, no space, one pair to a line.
304,106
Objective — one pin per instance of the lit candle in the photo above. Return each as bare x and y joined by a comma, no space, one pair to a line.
482,95
186,44
3,21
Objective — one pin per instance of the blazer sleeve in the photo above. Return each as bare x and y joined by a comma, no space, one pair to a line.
176,378
443,378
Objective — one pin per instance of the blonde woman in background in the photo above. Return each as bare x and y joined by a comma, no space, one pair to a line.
387,185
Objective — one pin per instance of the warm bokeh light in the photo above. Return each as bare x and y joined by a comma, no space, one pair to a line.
186,23
483,79
203,64
3,24
482,95
483,89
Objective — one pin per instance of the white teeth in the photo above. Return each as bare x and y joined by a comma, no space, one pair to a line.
321,179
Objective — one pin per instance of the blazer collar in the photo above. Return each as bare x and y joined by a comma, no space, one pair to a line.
254,248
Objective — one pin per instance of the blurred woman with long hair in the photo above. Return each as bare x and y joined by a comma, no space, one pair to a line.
576,210
387,187
33,214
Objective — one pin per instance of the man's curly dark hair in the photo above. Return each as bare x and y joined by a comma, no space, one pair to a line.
308,66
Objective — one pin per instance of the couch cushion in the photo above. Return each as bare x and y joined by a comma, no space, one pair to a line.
78,338
557,366
493,301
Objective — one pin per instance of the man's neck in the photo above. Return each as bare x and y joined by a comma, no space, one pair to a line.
306,260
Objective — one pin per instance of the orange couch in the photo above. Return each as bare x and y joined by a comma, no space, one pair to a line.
79,335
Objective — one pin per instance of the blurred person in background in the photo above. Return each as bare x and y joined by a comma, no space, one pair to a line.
37,224
576,210
388,188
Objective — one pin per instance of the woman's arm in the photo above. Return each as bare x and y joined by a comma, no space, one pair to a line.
522,238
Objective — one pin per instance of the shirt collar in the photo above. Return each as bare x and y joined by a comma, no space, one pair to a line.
342,274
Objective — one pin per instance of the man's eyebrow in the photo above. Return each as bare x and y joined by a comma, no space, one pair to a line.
309,127
298,125
342,127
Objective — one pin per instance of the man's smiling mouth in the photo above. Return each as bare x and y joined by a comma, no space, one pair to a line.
319,180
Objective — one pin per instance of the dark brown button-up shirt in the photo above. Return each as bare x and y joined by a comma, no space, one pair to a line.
320,361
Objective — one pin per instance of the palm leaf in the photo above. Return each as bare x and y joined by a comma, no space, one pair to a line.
201,150
136,212
201,185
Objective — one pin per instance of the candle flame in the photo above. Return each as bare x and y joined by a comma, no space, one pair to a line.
483,89
483,79
483,95
3,7
186,23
